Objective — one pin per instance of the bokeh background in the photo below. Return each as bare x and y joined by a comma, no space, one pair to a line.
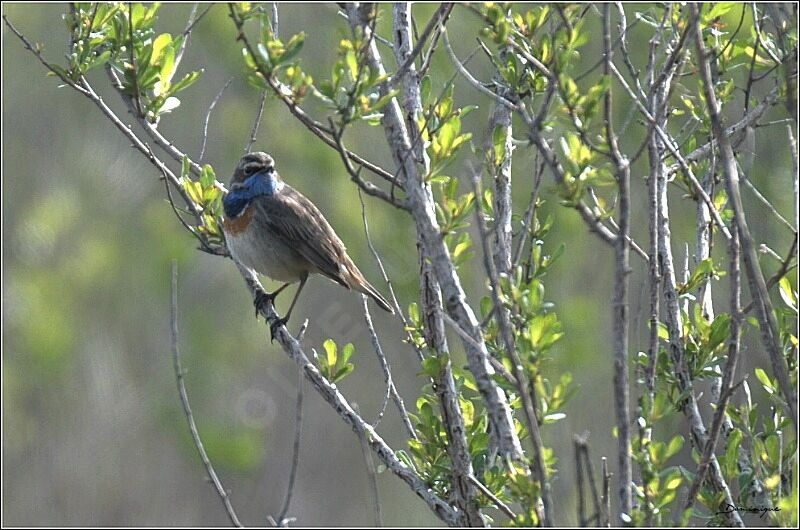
93,433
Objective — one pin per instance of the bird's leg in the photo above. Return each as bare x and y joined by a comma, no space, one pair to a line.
264,297
284,320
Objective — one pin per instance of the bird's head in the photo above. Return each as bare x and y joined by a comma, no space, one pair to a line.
249,165
254,176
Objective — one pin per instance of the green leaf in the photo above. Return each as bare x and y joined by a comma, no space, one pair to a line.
159,45
499,142
347,352
764,379
207,176
425,88
384,100
185,167
717,10
342,373
674,446
352,64
330,351
185,82
293,47
432,367
786,293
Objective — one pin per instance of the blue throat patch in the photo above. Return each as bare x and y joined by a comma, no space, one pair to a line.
261,183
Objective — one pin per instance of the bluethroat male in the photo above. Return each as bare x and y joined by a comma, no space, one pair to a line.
273,229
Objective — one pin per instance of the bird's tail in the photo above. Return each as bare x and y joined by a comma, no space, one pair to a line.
365,287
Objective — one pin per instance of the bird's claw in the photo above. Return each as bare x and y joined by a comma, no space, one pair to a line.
275,324
262,299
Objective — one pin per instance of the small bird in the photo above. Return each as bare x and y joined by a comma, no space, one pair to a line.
273,229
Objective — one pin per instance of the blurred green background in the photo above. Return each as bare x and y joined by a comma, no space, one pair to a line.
93,432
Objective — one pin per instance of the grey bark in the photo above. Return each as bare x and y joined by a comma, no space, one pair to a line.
421,202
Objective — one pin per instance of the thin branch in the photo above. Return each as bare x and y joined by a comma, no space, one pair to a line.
728,376
503,507
187,32
755,275
152,131
398,310
786,266
372,475
606,516
523,385
256,122
36,51
391,389
187,410
582,521
480,87
620,299
208,118
527,219
437,22
284,94
298,433
355,174
429,235
331,394
748,120
584,466
768,205
274,21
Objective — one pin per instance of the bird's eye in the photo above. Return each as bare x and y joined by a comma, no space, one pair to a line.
249,170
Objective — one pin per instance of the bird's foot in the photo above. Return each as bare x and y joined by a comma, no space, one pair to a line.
275,324
261,300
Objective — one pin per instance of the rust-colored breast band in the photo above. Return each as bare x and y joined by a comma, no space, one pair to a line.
238,224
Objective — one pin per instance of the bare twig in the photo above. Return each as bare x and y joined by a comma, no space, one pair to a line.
371,474
355,174
768,205
330,393
786,266
273,20
729,374
503,507
529,211
429,235
391,389
606,516
582,521
523,385
379,261
187,410
480,87
436,22
208,118
298,433
734,131
194,19
284,94
620,299
256,122
755,275
583,464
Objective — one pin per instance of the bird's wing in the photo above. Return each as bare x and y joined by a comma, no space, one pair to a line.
301,226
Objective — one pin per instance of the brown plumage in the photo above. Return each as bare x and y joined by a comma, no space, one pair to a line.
282,234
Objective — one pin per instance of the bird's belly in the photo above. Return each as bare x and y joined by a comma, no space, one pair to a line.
264,253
